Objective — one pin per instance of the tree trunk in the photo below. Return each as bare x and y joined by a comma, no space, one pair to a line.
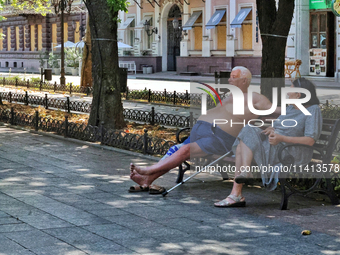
86,68
107,108
274,26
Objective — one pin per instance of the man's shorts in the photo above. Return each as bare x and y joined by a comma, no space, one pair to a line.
211,140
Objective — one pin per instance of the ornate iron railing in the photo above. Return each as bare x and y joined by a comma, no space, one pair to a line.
116,138
85,107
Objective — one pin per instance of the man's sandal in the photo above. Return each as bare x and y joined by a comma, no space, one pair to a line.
138,188
226,203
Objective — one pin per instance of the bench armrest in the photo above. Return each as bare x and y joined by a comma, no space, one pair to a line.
289,159
178,139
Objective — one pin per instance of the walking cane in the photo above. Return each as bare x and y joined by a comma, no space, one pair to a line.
199,171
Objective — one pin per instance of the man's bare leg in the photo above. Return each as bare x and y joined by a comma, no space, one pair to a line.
243,157
144,176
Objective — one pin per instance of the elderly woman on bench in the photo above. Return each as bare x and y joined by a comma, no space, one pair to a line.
263,145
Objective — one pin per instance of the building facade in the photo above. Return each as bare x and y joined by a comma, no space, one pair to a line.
217,35
28,36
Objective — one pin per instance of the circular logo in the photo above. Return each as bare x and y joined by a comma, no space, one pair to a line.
336,7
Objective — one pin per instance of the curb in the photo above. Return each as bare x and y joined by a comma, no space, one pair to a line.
95,145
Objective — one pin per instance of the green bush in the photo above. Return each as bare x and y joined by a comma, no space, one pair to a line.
35,80
330,112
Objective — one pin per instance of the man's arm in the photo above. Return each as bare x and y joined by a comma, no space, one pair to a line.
263,103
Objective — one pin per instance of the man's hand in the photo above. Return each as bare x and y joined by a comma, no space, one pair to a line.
268,130
275,139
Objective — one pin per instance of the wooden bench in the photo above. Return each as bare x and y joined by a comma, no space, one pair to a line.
291,183
292,66
130,65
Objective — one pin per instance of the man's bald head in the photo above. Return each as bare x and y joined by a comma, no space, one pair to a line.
244,73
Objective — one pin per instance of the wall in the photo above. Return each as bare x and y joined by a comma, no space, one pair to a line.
156,62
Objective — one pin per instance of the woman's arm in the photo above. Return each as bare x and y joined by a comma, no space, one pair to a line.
274,139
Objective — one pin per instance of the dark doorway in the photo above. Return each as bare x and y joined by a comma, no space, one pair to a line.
173,40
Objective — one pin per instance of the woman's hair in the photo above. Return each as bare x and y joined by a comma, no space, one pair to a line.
306,84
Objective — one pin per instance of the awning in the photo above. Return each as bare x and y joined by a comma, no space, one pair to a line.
215,19
240,17
141,23
191,21
126,23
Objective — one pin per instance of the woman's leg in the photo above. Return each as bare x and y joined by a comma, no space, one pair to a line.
243,157
146,175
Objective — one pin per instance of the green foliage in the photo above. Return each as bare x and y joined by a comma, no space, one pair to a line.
116,6
330,112
53,60
43,56
40,6
35,80
72,56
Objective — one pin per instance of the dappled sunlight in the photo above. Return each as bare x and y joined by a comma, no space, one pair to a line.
82,170
82,187
37,184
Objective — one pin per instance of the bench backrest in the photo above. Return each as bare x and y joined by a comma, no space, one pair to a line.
327,140
130,65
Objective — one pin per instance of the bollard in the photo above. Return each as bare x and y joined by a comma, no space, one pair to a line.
68,104
26,98
87,91
40,86
152,121
70,88
174,97
191,120
46,102
10,96
102,132
16,82
327,104
216,77
28,83
187,96
145,147
66,126
164,95
55,86
4,81
36,121
12,116
149,96
127,93
1,99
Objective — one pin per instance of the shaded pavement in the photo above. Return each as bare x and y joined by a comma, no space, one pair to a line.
58,196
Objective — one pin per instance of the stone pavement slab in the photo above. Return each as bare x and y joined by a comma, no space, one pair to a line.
61,197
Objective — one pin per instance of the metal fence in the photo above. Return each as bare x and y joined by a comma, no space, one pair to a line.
70,88
116,138
129,114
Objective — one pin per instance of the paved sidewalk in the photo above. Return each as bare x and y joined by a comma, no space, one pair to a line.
62,197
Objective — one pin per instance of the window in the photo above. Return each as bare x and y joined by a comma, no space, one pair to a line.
39,37
148,39
65,32
318,28
8,38
32,38
221,30
247,32
77,32
54,36
17,38
1,41
131,33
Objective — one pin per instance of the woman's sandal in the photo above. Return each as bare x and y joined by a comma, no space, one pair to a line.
226,203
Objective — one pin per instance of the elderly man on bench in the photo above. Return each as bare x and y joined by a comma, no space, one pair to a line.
205,138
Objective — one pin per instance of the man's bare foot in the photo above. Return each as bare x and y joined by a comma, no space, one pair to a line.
142,180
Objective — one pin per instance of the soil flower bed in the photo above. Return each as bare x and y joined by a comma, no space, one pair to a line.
132,127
